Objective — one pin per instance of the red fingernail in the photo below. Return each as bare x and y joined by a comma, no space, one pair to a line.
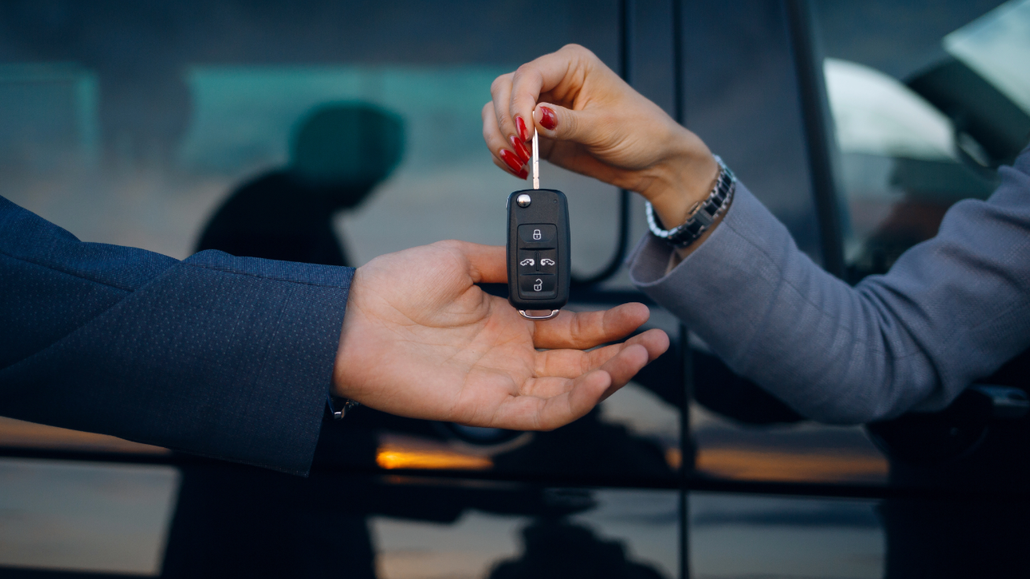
520,125
523,174
511,160
548,119
520,149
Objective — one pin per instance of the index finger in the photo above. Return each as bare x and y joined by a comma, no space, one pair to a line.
545,74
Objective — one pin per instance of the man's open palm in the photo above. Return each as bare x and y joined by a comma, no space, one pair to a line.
420,339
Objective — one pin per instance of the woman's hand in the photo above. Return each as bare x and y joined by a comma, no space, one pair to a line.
591,122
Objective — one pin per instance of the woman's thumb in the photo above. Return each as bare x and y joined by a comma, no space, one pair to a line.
559,123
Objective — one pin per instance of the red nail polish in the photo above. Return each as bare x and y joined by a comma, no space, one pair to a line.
520,125
520,149
511,160
548,119
523,174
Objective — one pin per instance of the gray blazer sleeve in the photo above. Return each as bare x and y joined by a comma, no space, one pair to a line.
216,355
952,310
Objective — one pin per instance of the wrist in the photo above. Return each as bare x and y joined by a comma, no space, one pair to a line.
683,180
351,351
702,217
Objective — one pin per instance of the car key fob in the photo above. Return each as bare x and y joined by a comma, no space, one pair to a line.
538,248
538,252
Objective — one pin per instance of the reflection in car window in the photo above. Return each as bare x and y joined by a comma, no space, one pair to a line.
877,115
85,517
925,128
996,47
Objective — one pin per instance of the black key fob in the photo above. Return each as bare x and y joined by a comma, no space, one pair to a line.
538,252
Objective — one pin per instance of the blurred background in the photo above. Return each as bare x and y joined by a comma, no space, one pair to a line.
333,132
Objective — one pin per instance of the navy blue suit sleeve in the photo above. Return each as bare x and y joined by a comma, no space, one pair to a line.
216,355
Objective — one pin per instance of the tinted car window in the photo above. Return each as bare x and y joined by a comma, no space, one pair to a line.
923,125
742,96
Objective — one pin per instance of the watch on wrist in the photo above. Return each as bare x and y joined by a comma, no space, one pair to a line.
701,215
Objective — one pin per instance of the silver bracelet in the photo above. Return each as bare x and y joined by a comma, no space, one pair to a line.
701,215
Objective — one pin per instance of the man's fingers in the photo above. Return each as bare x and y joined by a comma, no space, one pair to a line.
537,413
639,351
581,330
655,341
573,363
586,392
624,365
548,402
569,363
486,263
549,386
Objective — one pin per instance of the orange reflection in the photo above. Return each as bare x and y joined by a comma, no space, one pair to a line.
16,433
782,466
674,458
390,456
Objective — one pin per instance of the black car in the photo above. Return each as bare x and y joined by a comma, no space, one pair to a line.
173,127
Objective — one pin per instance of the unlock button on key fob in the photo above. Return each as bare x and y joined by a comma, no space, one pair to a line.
539,286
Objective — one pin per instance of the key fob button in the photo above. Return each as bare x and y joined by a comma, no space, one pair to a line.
528,262
537,236
537,286
547,261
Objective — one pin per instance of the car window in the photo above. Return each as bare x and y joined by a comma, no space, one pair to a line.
742,96
924,125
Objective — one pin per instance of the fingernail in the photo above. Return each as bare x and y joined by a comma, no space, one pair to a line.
548,119
520,149
511,160
523,174
520,126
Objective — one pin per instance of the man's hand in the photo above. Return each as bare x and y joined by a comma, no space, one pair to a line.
421,340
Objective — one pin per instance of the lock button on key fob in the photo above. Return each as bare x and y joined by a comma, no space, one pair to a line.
537,236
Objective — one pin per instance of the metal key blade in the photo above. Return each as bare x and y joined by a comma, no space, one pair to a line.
536,159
